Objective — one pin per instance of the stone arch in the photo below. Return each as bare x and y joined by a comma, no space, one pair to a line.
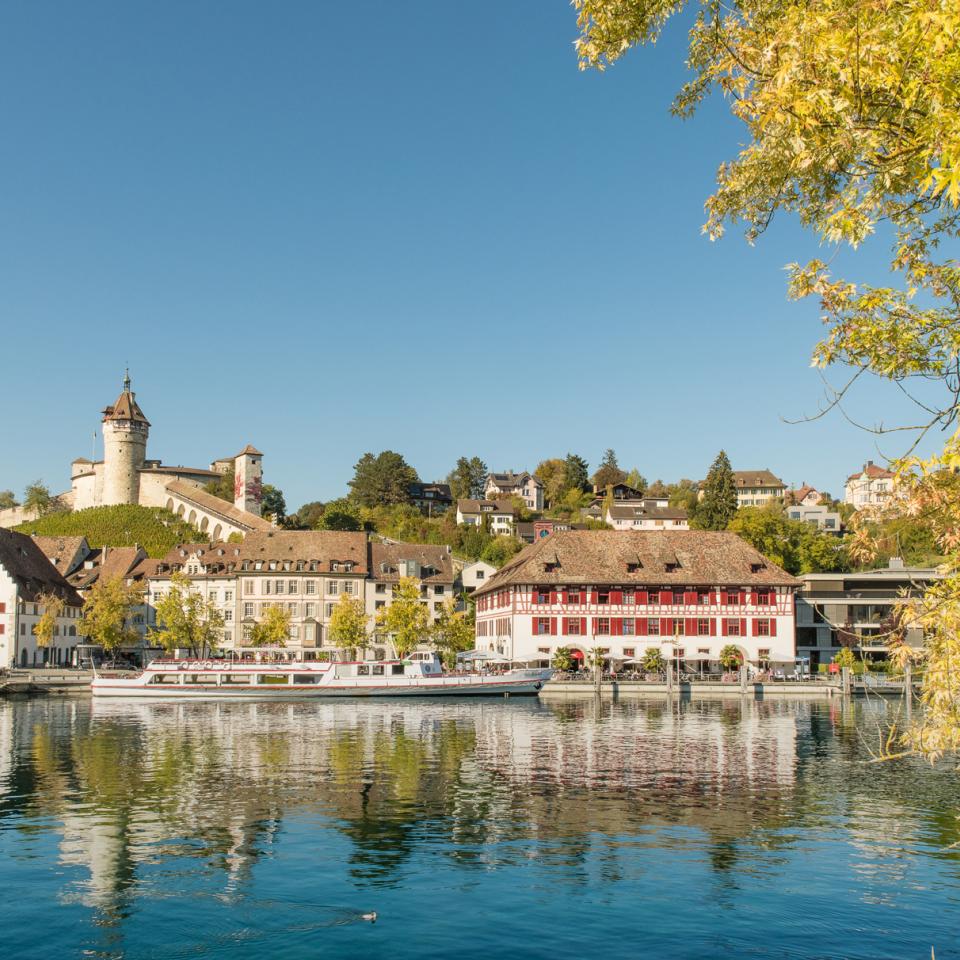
193,517
204,523
181,510
170,504
217,531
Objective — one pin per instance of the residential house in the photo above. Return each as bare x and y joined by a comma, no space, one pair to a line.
817,515
856,610
476,574
870,487
803,496
498,515
756,488
531,530
524,485
690,593
25,575
431,499
645,515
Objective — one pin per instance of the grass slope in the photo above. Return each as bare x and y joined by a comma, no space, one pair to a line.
157,531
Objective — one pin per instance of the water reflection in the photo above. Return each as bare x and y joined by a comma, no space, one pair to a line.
137,793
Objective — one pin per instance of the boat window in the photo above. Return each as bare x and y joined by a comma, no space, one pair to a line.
396,668
273,678
305,678
378,669
162,678
363,670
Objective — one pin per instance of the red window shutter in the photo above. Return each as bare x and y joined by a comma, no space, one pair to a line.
3,608
593,596
563,626
583,626
642,627
691,626
690,597
723,597
533,625
666,627
743,597
723,627
616,596
666,596
713,627
642,596
743,626
553,626
755,627
753,598
713,596
773,626
563,596
616,627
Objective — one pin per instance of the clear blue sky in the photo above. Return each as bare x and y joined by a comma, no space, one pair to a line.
331,228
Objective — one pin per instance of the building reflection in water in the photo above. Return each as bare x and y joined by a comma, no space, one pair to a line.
134,785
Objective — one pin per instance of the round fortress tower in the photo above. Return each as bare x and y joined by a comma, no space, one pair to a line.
125,430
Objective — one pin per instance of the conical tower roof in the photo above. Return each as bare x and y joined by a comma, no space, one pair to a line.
126,407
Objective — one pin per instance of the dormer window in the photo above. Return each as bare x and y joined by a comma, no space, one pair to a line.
757,567
633,567
673,567
272,565
258,565
551,566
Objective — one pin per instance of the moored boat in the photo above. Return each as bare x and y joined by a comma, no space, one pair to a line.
420,675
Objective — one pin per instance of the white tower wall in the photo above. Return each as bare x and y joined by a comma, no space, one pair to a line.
124,451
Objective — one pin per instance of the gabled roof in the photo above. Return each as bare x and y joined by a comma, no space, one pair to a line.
323,546
651,557
756,478
642,509
509,479
487,506
214,505
65,553
385,557
33,573
872,472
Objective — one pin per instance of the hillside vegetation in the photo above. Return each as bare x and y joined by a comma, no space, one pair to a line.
156,530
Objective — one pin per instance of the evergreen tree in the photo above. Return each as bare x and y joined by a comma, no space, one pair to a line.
578,477
467,479
608,472
382,479
719,504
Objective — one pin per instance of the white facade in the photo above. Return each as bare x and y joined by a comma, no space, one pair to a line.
524,485
871,487
819,516
500,517
476,574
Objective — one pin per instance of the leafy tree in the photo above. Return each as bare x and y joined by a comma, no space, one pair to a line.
719,503
500,549
405,619
307,517
222,486
467,479
658,489
348,625
731,657
796,546
187,620
107,610
577,473
683,496
652,661
339,520
7,500
553,475
845,657
608,472
452,633
52,607
562,659
272,503
273,630
636,480
381,479
37,497
850,120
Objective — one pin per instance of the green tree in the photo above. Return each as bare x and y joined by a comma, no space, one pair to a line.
186,619
578,477
273,629
731,657
553,475
718,505
307,517
658,489
7,500
452,633
636,480
608,472
652,661
37,497
348,625
467,479
405,619
381,479
845,657
500,549
562,659
107,611
796,546
339,520
272,503
52,607
222,486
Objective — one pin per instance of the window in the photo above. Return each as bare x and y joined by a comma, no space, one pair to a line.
733,627
653,627
227,615
329,609
438,590
379,604
703,628
333,588
733,597
703,597
629,628
248,587
629,596
763,628
703,651
212,596
629,651
603,596
309,609
543,626
541,595
272,565
381,588
603,626
763,597
310,587
573,597
763,653
248,609
278,586
349,586
479,574
228,596
678,597
573,626
291,586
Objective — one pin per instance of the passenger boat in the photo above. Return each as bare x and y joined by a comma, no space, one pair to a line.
420,675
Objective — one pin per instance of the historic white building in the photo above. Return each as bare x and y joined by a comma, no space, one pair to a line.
125,475
870,487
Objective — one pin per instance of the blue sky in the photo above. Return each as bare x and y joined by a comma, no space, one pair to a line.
331,228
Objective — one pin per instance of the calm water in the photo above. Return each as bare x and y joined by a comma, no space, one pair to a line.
473,829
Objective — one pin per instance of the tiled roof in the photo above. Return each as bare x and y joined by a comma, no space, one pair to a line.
499,506
63,552
384,558
631,509
322,546
33,573
126,408
756,478
690,557
872,472
214,505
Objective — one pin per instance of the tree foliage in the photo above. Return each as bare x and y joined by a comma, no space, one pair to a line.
405,619
348,624
608,472
636,480
273,505
553,475
731,657
467,478
453,632
46,628
578,476
562,659
273,629
186,619
381,479
652,661
107,611
7,500
718,505
796,546
37,497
